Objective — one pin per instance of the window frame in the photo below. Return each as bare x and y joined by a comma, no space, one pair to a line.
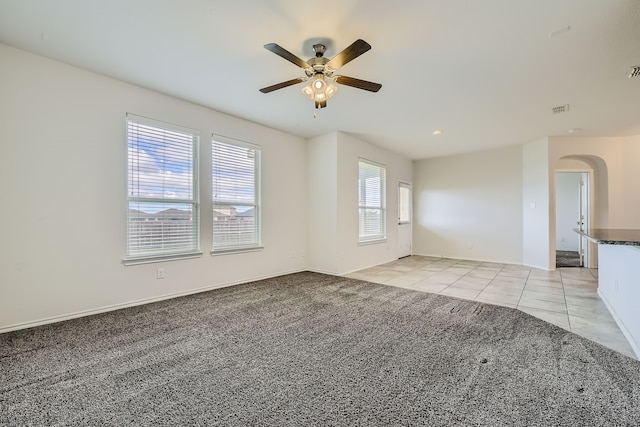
382,208
257,244
402,185
133,257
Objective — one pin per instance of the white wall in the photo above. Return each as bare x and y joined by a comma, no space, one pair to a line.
470,206
452,195
351,255
536,206
618,288
332,191
630,194
567,210
63,216
616,163
63,222
322,208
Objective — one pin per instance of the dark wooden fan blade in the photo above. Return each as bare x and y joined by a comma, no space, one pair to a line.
360,84
281,85
356,49
284,53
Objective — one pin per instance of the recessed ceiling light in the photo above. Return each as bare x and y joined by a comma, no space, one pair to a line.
574,130
437,132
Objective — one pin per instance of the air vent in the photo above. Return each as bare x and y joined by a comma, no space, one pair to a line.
634,71
560,109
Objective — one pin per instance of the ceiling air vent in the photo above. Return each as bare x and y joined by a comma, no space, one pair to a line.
634,71
560,109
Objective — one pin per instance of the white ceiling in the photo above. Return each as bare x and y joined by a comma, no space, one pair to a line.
486,73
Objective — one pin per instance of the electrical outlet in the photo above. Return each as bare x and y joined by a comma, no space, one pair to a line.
160,273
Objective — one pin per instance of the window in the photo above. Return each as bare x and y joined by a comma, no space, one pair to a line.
162,183
404,203
371,186
235,184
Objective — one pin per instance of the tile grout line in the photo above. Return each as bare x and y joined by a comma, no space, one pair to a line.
523,288
482,290
566,305
491,281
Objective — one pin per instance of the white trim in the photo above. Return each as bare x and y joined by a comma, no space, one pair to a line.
520,264
320,271
147,121
236,250
84,313
233,141
371,241
160,258
632,343
372,163
364,268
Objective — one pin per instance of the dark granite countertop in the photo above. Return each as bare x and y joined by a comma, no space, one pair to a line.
612,236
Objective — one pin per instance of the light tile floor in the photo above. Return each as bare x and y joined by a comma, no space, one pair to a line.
566,297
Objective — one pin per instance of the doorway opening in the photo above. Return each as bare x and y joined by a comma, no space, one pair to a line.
405,221
572,213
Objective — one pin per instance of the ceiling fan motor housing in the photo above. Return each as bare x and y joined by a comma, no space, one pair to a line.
317,65
319,49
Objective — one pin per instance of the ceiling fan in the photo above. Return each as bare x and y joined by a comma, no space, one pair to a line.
320,71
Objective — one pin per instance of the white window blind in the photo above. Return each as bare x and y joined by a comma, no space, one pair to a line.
162,189
372,204
235,175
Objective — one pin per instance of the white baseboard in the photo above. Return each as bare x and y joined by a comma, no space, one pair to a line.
368,266
320,271
632,342
495,261
84,313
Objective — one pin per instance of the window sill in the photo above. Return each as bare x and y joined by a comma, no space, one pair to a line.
160,258
218,252
372,242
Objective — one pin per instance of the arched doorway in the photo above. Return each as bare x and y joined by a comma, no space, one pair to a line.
581,192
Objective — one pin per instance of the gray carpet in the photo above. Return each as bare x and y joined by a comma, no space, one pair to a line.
568,259
311,349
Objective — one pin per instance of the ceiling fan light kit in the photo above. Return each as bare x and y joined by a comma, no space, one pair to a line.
319,90
319,72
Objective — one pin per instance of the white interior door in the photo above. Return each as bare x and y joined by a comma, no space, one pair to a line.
405,219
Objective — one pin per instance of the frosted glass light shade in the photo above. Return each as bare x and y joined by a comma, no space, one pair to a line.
319,90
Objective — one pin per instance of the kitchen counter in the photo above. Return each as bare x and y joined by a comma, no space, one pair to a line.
612,236
619,277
